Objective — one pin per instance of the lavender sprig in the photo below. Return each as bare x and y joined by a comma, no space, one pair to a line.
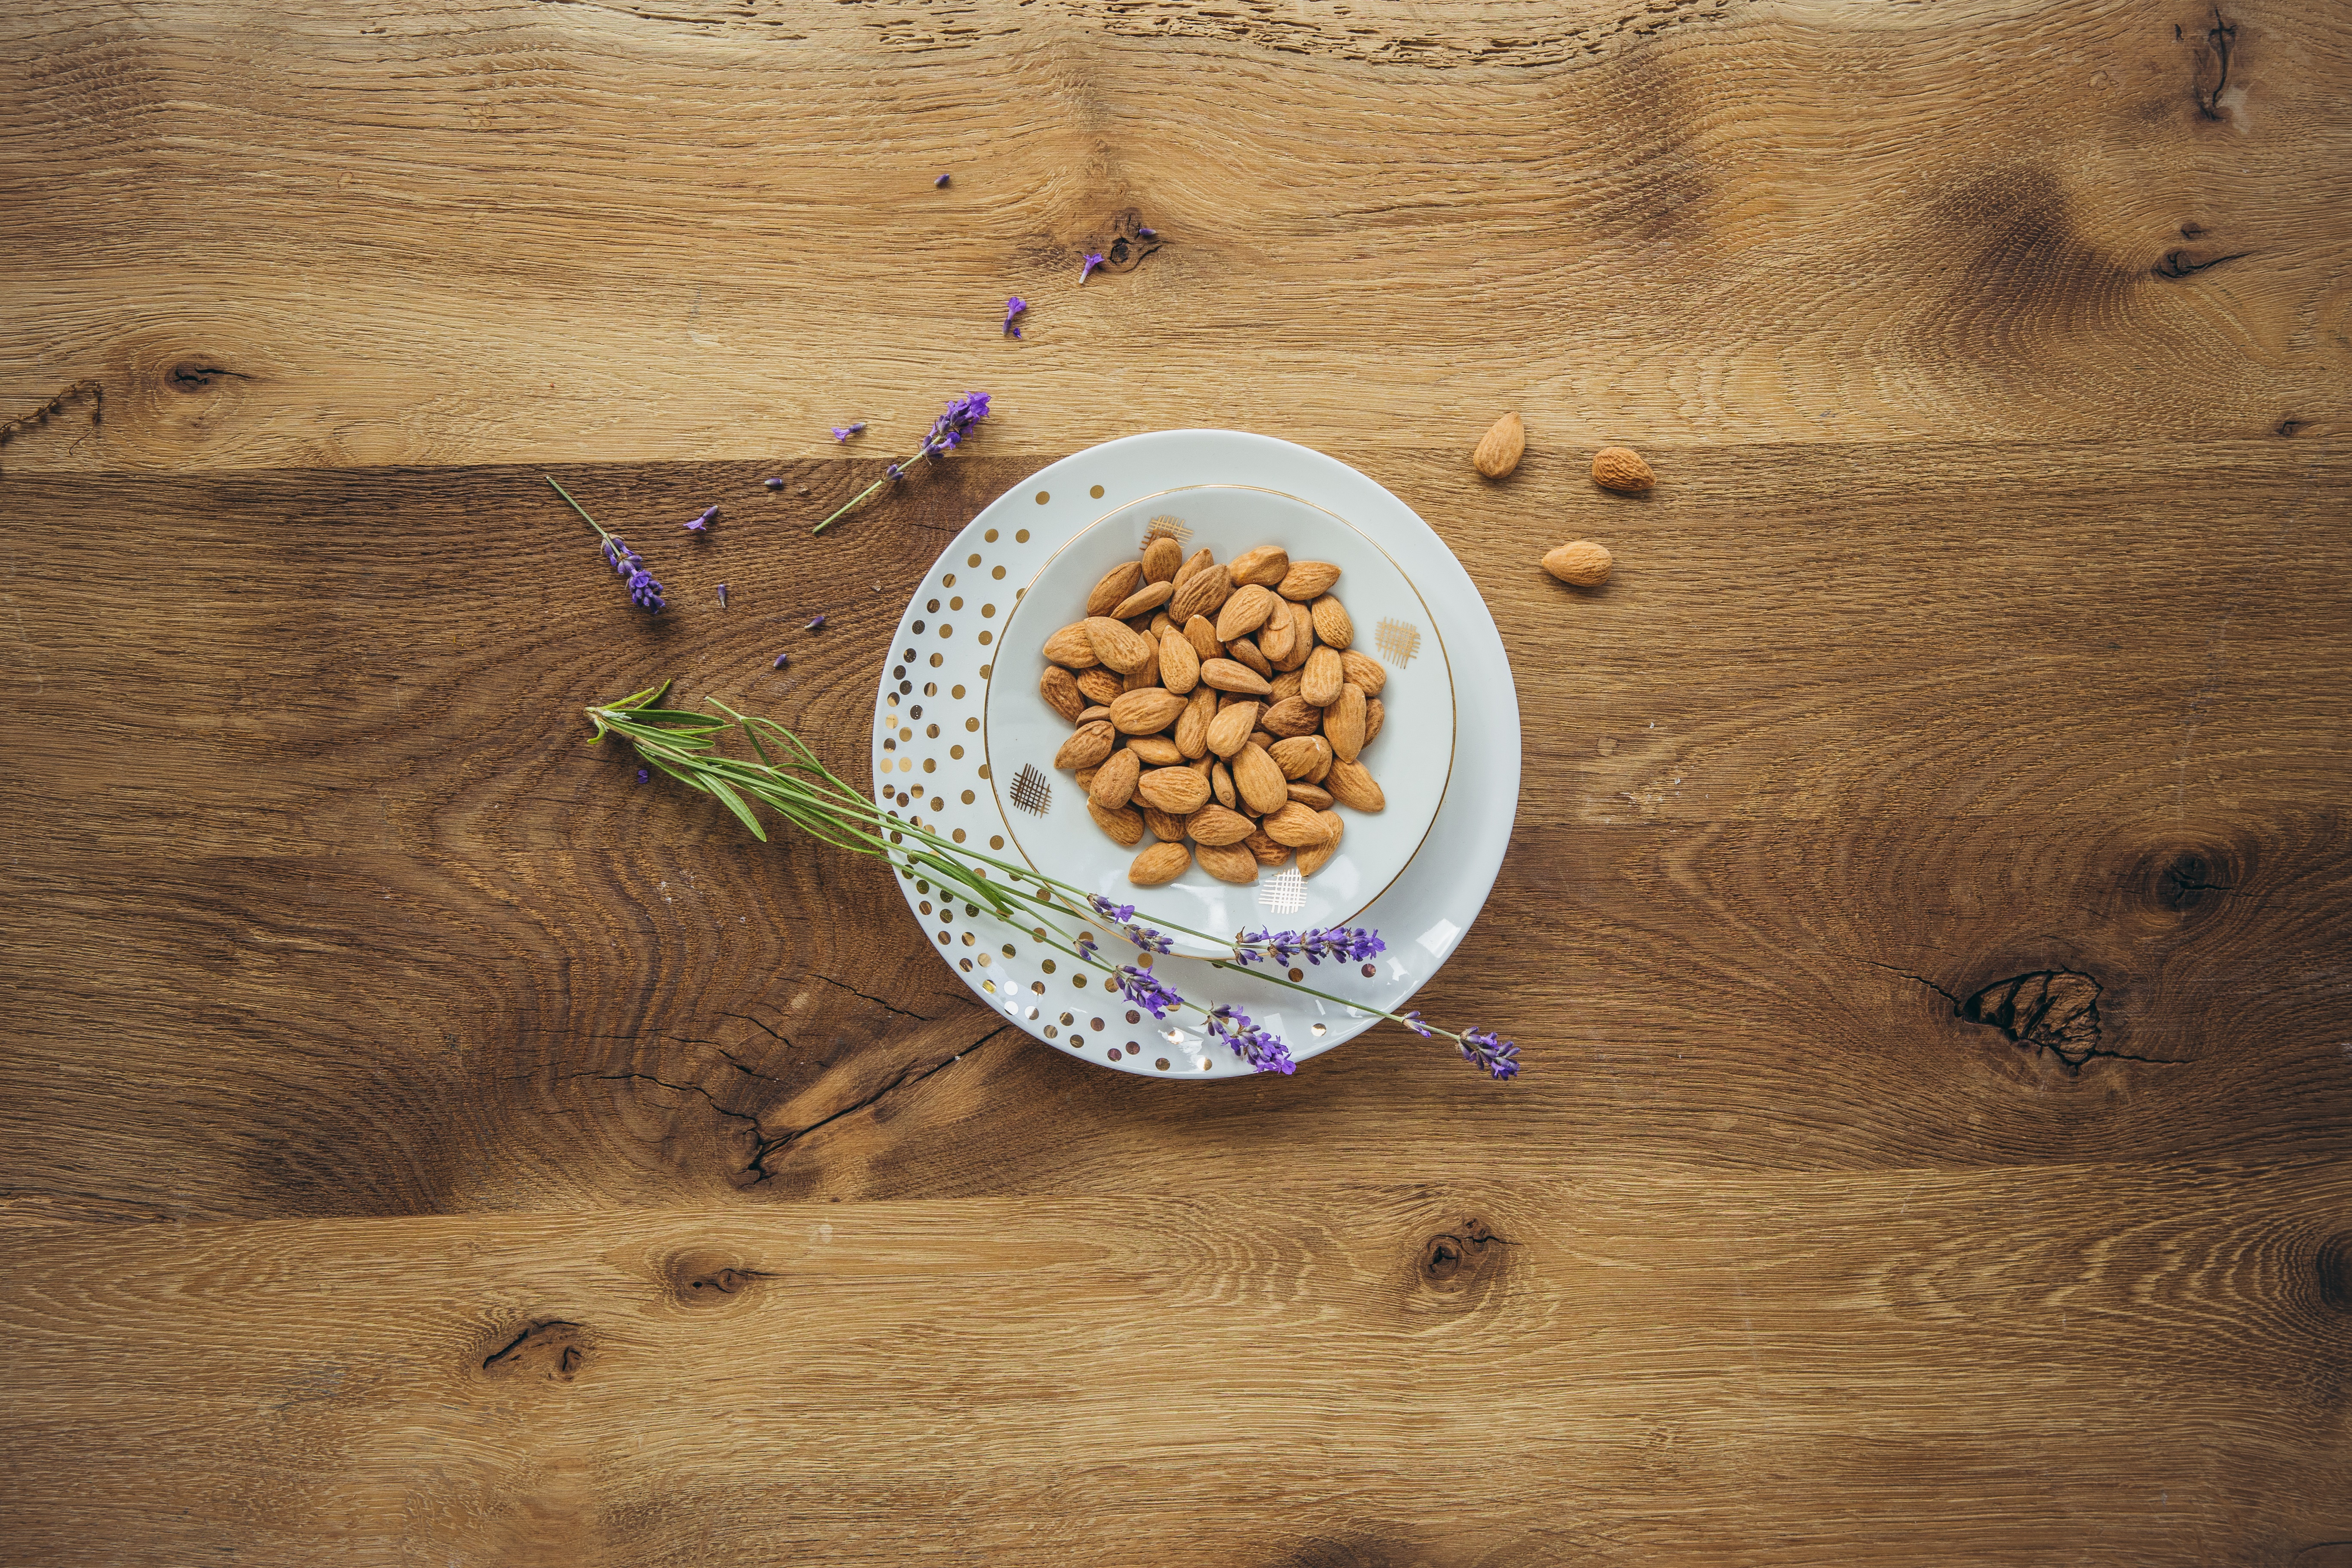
947,433
644,592
1263,1052
1014,306
1353,943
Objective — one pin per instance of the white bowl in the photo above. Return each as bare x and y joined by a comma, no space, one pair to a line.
1411,758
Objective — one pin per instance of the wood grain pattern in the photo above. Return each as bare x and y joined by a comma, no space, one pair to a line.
1925,922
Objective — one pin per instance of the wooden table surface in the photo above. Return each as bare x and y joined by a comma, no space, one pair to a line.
426,1145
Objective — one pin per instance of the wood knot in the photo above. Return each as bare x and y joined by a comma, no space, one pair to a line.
2181,881
2333,1266
2054,1010
553,1349
704,1278
192,376
1459,1261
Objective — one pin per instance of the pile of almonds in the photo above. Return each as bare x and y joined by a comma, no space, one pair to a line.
1218,705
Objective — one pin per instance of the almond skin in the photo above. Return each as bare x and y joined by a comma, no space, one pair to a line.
1343,723
1499,449
1202,594
1113,785
1220,784
1192,726
1353,787
1309,794
1259,780
1060,689
1198,561
1164,827
1228,863
1146,712
1299,756
1085,777
1245,612
1376,713
1295,716
1160,625
1333,628
1097,712
1244,651
1180,666
1366,672
1321,678
1204,639
1151,597
1229,731
1072,649
1286,685
1162,557
1098,685
1308,580
1226,675
1300,826
1178,791
1621,468
1213,826
1583,563
1265,851
1117,646
1159,863
1156,750
1302,622
1278,636
1117,584
1086,748
1123,825
1315,857
1265,566
1148,672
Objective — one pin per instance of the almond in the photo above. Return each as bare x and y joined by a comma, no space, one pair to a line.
1352,786
1308,794
1375,714
1343,723
1159,863
1244,651
1302,623
1124,825
1294,716
1098,685
1286,685
1118,645
1220,784
1265,566
1117,583
1059,688
1212,825
1204,639
1299,756
1320,679
1278,636
1264,850
1149,597
1327,760
1202,594
1113,785
1621,468
1178,791
1297,825
1085,777
1245,612
1156,750
1161,556
1071,648
1315,857
1332,626
1308,580
1262,741
1094,712
1146,712
1226,675
1499,449
1192,728
1170,829
1160,625
1228,863
1148,672
1366,672
1229,731
1086,748
1198,561
1259,780
1584,563
1180,666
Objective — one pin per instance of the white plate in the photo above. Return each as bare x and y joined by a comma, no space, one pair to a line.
1045,812
928,747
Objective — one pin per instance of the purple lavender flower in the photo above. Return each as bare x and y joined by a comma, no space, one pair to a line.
1353,942
844,432
1085,943
775,482
1146,234
645,592
701,524
942,179
624,560
948,430
1146,990
1121,913
1087,271
1490,1054
644,774
1013,308
782,659
816,624
722,596
1413,1020
1263,1052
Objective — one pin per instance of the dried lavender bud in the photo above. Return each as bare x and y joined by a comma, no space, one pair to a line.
816,624
722,596
844,432
1013,308
782,659
938,183
774,484
1093,261
701,524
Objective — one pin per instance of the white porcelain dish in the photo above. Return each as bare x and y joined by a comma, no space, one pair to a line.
937,719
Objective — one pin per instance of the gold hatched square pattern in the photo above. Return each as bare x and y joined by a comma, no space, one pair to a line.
1398,642
1030,791
1166,527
